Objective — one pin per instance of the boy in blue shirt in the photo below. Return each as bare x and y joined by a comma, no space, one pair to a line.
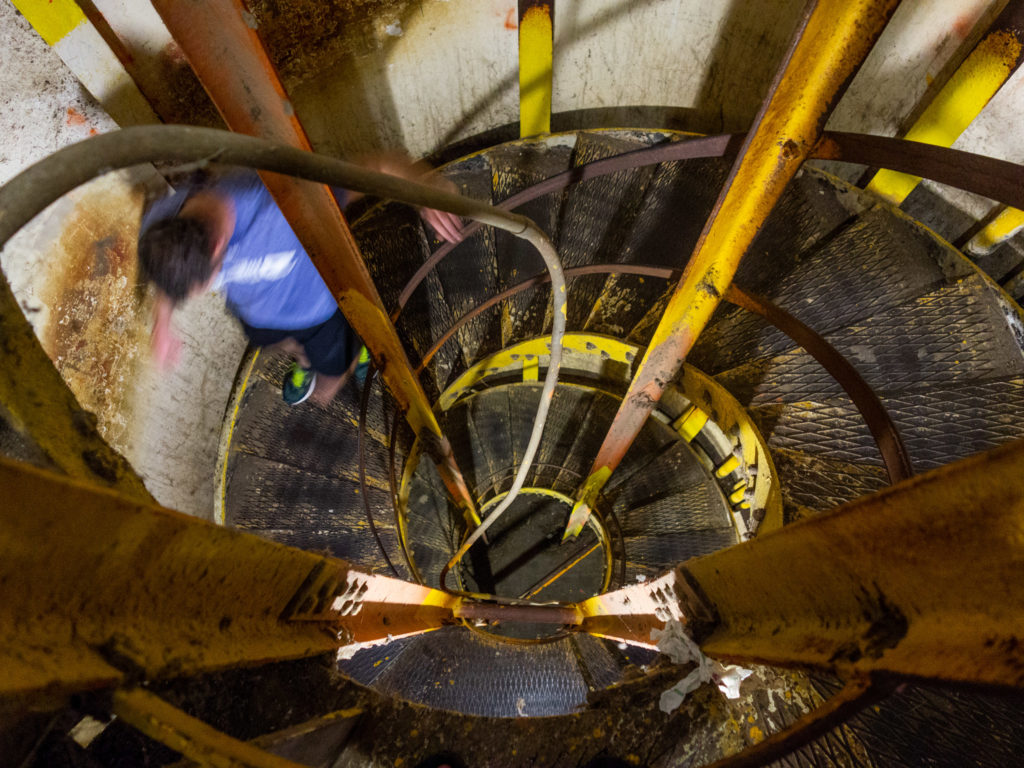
231,237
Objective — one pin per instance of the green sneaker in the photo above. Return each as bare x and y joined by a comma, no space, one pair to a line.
298,384
362,366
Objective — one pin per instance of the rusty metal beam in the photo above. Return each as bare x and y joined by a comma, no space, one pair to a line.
234,68
922,579
832,41
99,587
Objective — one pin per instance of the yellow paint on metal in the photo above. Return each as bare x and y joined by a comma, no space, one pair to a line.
525,491
531,368
690,423
921,579
737,496
609,348
1002,227
727,466
536,48
193,738
85,567
581,511
970,88
220,508
52,19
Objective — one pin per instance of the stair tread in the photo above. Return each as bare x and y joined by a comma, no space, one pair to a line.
948,336
668,549
687,510
469,274
455,668
858,271
267,494
938,425
322,442
602,212
515,167
818,483
367,664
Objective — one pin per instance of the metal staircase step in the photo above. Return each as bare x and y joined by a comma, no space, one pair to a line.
469,274
672,468
687,509
663,551
368,664
452,668
859,270
515,167
598,216
953,335
321,441
938,424
812,483
312,512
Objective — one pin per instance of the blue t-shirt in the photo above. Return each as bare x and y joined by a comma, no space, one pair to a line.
267,278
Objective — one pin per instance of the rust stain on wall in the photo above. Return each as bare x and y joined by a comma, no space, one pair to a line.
98,325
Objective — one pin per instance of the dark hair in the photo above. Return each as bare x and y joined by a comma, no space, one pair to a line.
176,254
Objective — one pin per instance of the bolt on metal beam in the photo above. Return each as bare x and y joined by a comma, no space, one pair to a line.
918,580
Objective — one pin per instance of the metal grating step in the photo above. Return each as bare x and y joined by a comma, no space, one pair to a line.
938,424
860,270
953,335
452,668
599,214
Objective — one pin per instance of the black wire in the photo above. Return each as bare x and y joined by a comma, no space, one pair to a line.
364,403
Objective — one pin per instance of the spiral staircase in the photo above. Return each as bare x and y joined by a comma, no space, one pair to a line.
755,433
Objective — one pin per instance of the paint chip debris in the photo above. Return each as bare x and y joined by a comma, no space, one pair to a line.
394,29
681,649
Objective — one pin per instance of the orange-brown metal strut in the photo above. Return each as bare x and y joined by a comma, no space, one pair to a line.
230,61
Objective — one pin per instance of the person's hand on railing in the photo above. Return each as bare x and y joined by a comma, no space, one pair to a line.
447,225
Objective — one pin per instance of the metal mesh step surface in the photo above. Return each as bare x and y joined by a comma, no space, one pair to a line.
453,668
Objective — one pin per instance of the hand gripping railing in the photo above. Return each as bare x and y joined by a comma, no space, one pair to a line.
31,191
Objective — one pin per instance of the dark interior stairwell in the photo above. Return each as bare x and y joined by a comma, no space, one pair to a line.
932,336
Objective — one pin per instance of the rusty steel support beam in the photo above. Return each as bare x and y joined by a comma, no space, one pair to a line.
99,588
832,41
922,579
234,68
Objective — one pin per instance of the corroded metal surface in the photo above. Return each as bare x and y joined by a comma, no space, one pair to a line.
919,579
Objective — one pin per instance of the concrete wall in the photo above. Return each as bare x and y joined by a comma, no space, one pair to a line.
73,270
